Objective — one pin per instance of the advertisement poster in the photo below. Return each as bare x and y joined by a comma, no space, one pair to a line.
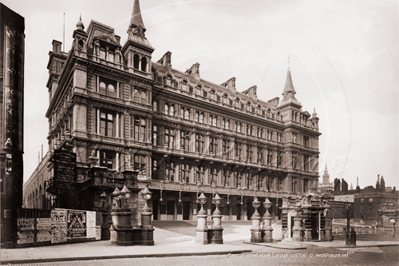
76,224
26,224
43,226
91,224
65,168
59,226
43,236
25,237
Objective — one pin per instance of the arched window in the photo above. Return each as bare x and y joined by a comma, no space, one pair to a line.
144,64
187,114
166,109
172,110
80,45
155,106
136,95
168,80
111,90
143,97
201,118
184,85
136,60
103,87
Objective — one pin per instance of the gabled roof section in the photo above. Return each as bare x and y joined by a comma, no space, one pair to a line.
99,31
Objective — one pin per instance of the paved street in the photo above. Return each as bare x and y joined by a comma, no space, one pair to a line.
175,245
267,256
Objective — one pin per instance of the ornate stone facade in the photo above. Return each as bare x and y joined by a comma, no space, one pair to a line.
183,134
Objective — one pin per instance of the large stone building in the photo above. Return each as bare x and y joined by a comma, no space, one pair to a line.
119,110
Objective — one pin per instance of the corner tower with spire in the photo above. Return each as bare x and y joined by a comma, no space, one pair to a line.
137,50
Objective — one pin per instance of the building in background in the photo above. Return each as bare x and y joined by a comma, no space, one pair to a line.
35,195
118,110
326,185
369,200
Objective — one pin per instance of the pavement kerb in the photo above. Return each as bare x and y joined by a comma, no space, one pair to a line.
274,245
304,245
158,255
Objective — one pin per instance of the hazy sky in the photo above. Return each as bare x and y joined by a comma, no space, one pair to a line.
343,54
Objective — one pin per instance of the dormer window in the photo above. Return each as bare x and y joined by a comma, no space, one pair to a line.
198,90
102,53
212,94
110,57
168,81
184,85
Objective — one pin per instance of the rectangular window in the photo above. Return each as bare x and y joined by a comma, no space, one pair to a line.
170,171
306,160
226,148
184,140
305,141
169,138
260,155
154,135
269,157
102,54
154,169
201,118
199,143
305,185
106,124
139,164
279,159
249,153
294,137
212,146
185,173
238,150
107,159
279,137
138,129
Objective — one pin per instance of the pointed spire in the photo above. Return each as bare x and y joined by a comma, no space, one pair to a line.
136,28
80,25
289,86
136,20
289,91
314,112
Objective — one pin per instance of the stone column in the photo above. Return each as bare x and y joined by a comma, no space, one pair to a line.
256,231
267,220
217,229
202,228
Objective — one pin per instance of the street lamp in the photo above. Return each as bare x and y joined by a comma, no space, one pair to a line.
105,234
347,240
147,196
202,201
216,200
267,223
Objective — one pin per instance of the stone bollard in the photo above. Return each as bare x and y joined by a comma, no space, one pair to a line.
297,229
